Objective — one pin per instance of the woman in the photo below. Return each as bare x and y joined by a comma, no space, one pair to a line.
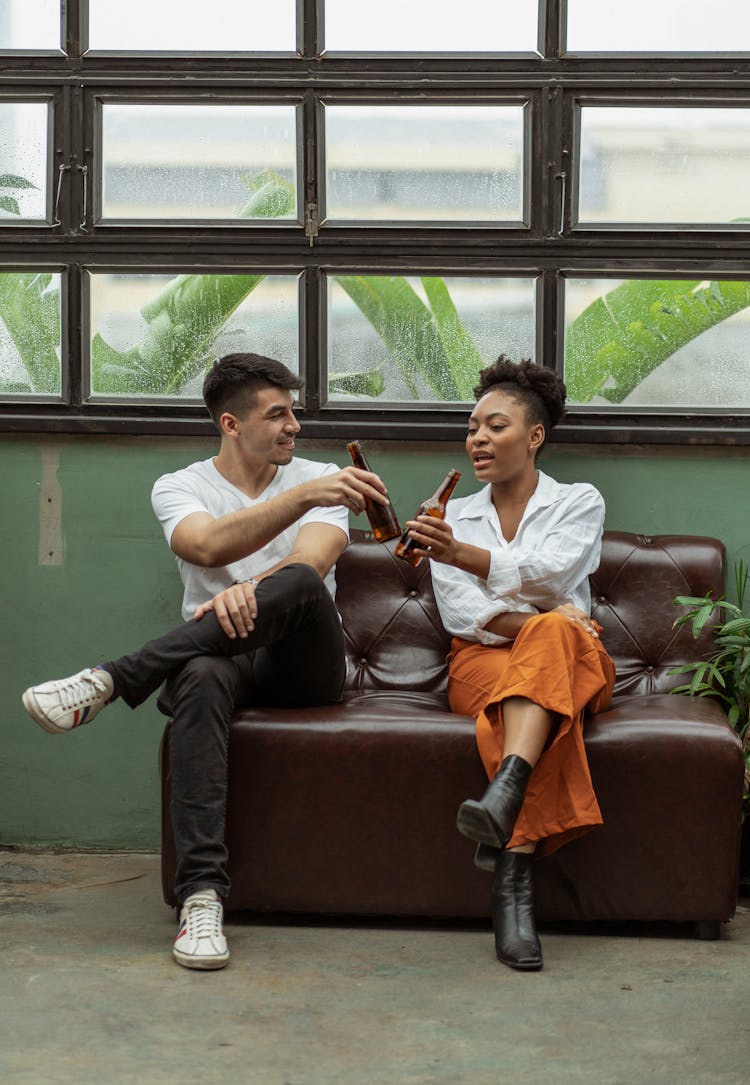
510,571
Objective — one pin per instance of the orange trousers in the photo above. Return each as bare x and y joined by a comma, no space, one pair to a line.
559,666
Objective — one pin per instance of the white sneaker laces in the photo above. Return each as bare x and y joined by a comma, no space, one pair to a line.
203,918
82,690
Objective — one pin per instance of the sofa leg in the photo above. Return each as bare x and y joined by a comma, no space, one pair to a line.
708,930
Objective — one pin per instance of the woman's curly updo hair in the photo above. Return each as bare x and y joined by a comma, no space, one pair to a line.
541,392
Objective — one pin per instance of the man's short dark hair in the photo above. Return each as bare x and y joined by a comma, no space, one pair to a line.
233,382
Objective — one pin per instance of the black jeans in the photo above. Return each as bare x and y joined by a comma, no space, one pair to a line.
294,656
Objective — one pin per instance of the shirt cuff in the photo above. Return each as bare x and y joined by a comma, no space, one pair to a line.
503,578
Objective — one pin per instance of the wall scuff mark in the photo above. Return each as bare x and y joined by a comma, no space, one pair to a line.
51,542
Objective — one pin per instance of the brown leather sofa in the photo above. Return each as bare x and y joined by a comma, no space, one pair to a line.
350,809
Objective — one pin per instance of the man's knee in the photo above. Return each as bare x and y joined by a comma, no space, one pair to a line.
298,578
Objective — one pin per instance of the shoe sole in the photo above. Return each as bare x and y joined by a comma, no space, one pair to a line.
474,822
522,966
38,717
200,964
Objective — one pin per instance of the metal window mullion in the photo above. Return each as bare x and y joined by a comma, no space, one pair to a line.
534,179
72,347
312,317
308,169
311,13
553,319
552,26
74,26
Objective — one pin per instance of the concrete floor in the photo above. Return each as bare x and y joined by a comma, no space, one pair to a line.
89,995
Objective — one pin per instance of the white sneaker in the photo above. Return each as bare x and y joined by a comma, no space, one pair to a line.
200,942
68,702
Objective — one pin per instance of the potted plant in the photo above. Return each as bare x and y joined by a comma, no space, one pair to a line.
725,675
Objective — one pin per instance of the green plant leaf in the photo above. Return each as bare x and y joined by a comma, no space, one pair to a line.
8,387
273,196
31,314
464,359
407,327
370,383
12,180
8,203
741,574
624,335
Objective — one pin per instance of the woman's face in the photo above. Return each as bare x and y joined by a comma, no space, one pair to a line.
501,443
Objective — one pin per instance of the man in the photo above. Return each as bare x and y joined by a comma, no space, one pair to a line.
257,534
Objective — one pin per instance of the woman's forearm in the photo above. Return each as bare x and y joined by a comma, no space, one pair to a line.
508,624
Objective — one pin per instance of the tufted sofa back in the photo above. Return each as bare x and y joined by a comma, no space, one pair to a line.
395,640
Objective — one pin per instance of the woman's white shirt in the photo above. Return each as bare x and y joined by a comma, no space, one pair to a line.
547,563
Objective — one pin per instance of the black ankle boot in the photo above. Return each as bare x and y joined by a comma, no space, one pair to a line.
516,942
491,820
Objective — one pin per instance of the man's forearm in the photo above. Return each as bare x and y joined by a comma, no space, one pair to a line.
230,538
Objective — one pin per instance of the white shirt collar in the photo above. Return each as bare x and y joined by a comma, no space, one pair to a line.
547,492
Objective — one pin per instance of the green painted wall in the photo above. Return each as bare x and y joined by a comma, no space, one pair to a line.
87,576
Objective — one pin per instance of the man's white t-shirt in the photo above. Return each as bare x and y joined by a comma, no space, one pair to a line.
201,488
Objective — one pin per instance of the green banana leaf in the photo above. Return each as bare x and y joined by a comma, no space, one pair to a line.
625,334
408,328
369,383
31,314
464,359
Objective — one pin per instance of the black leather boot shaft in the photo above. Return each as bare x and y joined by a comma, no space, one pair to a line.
516,941
491,820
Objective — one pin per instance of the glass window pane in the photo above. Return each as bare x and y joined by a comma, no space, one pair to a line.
30,332
163,26
421,26
398,339
155,335
664,165
669,26
657,343
424,162
23,160
199,161
30,25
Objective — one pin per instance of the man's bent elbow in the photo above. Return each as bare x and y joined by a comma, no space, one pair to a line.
200,552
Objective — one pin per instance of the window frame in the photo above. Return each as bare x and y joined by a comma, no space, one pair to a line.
548,244
698,100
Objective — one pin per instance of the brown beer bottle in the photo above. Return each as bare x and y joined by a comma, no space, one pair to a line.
433,506
383,519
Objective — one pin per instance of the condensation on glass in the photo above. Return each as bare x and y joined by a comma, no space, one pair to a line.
30,333
167,26
30,25
23,160
394,339
426,162
156,335
678,166
483,26
198,161
672,343
669,26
